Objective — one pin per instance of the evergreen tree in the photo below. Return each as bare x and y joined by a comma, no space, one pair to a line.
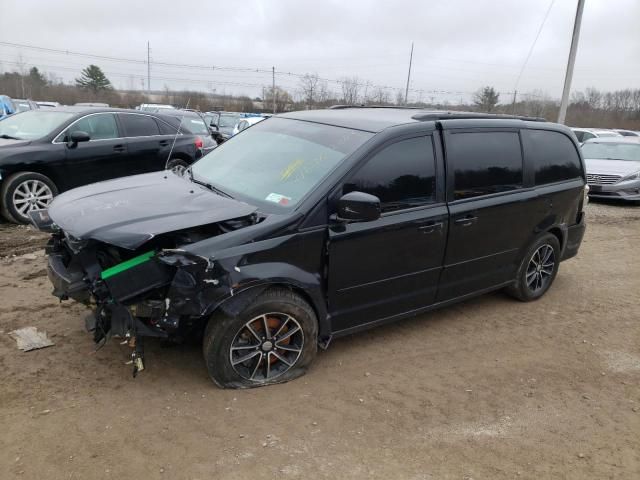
486,99
94,79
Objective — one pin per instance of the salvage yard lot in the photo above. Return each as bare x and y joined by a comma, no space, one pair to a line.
490,388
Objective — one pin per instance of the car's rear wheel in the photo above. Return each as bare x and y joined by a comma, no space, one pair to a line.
538,269
274,340
177,166
25,192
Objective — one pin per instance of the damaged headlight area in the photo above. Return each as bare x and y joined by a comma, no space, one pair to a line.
159,290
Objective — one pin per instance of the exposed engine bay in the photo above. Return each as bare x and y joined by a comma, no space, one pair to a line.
156,290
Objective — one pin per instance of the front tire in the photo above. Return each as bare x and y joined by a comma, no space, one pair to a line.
537,270
273,340
25,192
177,166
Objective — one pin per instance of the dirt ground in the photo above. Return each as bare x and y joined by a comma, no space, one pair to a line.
488,389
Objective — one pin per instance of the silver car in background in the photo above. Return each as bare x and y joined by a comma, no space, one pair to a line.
613,167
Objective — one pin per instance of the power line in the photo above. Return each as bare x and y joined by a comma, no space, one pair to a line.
533,45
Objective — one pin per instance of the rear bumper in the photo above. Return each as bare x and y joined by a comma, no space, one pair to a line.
575,233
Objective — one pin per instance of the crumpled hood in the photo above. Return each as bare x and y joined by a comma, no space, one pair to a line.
611,167
129,211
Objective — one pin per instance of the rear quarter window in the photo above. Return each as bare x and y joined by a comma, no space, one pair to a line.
552,156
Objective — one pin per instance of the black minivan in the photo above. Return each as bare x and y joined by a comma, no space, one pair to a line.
316,224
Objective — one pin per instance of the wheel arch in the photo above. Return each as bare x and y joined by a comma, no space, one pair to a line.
235,303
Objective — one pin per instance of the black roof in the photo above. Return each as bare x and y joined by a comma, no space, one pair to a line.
85,110
376,119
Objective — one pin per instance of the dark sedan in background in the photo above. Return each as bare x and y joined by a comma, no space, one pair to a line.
47,151
613,167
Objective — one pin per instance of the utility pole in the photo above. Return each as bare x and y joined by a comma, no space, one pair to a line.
406,92
273,88
513,105
572,60
148,69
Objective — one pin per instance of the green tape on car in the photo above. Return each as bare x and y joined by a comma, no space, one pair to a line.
121,267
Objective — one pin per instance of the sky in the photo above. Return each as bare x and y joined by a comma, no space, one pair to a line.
231,46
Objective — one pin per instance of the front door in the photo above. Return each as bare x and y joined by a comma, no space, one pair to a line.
101,158
390,266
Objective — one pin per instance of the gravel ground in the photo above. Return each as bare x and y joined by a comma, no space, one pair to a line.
488,389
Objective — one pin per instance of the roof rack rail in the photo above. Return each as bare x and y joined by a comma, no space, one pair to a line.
342,107
453,115
445,114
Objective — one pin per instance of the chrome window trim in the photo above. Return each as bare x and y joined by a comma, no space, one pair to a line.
55,142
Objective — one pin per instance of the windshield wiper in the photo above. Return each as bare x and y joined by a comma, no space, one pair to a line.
9,137
209,186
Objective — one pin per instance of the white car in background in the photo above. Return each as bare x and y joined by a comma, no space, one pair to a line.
624,133
245,123
584,134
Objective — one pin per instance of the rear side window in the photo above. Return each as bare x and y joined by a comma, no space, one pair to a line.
139,125
484,163
401,175
552,156
579,136
99,127
165,128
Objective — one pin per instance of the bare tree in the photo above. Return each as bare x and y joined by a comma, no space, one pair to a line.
593,98
310,85
350,90
283,99
380,96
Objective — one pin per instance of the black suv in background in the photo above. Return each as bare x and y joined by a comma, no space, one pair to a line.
47,151
317,224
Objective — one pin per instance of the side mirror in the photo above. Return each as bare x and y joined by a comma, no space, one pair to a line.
77,137
213,130
358,207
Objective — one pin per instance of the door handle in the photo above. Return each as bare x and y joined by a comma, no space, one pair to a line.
465,221
118,148
164,143
430,227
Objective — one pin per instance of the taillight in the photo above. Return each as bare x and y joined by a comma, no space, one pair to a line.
199,143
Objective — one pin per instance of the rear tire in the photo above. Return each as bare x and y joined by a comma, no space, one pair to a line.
537,270
24,192
273,340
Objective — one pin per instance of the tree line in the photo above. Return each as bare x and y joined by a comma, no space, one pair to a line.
589,108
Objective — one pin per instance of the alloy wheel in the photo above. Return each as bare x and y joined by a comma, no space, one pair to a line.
266,346
540,268
31,195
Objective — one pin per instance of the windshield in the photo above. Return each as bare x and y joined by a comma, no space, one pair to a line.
33,124
228,120
278,161
21,106
211,118
612,151
195,125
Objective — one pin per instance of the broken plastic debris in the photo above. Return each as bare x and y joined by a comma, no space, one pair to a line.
28,338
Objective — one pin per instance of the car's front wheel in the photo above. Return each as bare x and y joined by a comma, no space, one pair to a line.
538,269
25,192
274,340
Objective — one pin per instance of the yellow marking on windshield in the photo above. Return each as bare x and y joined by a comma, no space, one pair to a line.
291,168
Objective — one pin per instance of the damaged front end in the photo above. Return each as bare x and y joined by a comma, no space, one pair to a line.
157,290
